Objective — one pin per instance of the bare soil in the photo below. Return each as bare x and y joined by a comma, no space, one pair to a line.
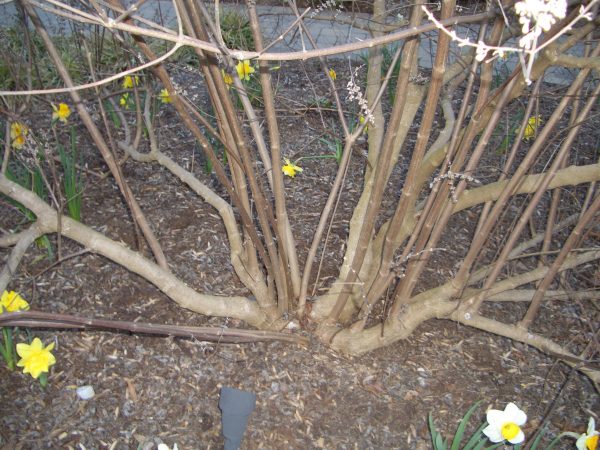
152,389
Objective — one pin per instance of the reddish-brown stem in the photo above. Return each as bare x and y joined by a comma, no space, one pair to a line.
575,235
475,302
40,319
99,141
249,227
409,190
381,169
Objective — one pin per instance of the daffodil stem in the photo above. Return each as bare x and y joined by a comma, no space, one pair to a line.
8,349
565,434
43,379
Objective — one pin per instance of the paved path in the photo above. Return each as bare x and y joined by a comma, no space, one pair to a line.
275,20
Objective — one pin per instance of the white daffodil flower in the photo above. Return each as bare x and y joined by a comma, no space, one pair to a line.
166,447
505,425
588,440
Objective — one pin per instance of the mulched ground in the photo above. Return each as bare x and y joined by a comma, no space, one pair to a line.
151,389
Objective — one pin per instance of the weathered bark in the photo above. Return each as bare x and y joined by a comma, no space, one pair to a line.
378,252
211,305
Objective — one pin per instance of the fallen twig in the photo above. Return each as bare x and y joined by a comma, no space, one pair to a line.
39,319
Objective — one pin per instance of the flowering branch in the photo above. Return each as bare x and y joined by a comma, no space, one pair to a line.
536,16
178,44
183,40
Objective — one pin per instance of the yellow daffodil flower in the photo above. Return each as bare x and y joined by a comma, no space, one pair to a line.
290,168
12,302
227,78
589,440
244,70
129,80
18,134
61,112
35,358
164,96
361,120
124,101
532,125
505,425
332,74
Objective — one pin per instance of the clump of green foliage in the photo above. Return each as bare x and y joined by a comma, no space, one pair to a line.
18,68
34,181
236,31
72,182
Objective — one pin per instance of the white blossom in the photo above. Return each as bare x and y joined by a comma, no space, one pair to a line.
354,93
536,16
588,439
166,447
506,425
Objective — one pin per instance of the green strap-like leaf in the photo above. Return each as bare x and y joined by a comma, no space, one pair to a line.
477,439
462,425
436,438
